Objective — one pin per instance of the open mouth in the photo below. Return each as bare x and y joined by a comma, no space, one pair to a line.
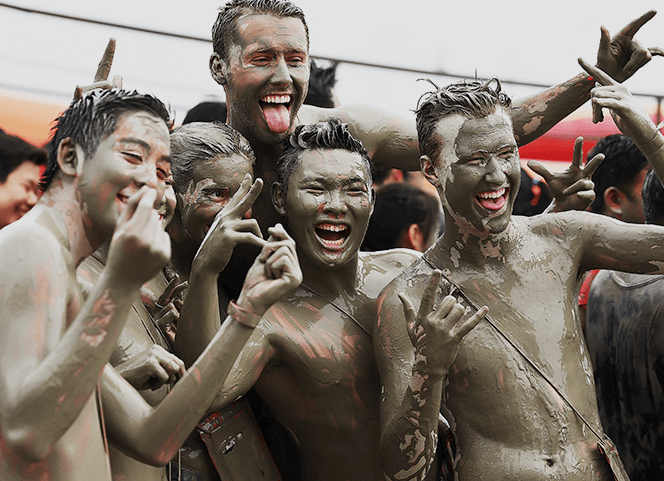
333,236
494,199
276,110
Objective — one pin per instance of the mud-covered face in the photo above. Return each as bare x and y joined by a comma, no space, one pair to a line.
137,153
328,204
213,183
267,75
19,192
478,170
167,207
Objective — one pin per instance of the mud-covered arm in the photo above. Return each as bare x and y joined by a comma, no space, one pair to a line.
428,342
41,372
153,435
620,56
199,318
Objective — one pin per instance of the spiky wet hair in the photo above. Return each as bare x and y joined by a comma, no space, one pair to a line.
93,118
329,135
224,30
474,99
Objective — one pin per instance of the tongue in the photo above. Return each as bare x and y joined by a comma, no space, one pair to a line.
492,204
277,117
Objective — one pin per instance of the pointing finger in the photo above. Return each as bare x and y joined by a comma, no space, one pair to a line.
592,165
104,67
635,25
599,75
578,152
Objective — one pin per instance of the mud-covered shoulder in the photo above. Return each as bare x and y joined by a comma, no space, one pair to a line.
379,268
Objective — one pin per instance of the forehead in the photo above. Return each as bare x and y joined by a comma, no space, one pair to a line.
143,126
331,164
223,169
261,32
26,171
486,134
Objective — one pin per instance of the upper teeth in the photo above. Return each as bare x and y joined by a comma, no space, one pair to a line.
276,99
492,195
332,227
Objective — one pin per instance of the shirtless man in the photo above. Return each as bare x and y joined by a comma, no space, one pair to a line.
261,58
109,159
510,422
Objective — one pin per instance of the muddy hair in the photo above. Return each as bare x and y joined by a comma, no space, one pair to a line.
653,199
329,135
224,30
471,98
93,118
198,142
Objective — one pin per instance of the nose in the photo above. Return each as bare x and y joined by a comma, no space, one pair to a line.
281,73
336,203
148,176
496,171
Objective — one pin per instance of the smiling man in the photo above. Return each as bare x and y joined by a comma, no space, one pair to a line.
520,394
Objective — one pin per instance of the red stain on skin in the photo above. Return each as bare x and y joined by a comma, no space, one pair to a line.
501,379
197,374
23,469
100,316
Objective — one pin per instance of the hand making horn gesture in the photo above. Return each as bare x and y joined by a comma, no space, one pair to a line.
101,77
622,55
628,115
572,188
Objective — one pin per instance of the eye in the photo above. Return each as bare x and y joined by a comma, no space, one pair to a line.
132,158
296,61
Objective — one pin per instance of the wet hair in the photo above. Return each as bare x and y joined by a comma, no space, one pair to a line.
197,142
321,82
224,30
623,162
329,135
14,151
653,199
93,118
474,99
397,207
209,111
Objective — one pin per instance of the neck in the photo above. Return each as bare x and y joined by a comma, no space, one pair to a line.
59,211
462,244
330,282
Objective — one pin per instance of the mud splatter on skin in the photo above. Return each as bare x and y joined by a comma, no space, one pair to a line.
100,317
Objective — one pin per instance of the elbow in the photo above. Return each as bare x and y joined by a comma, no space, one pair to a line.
27,444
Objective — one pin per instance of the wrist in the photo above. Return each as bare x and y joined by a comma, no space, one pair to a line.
245,316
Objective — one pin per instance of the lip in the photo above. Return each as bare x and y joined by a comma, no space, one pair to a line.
497,197
337,235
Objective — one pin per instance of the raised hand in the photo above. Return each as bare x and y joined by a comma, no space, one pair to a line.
231,228
628,115
139,248
151,369
572,188
274,273
436,334
101,76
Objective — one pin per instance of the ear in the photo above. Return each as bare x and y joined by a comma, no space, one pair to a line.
217,69
429,171
614,199
414,238
278,199
70,158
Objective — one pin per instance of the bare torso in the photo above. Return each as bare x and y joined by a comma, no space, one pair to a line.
510,423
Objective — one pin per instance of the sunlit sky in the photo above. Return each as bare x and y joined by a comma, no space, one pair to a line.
513,39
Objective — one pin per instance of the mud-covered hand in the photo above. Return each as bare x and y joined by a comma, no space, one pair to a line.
151,369
101,77
139,247
230,228
274,273
437,333
572,188
628,115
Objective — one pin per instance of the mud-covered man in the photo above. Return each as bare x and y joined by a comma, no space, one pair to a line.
511,422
